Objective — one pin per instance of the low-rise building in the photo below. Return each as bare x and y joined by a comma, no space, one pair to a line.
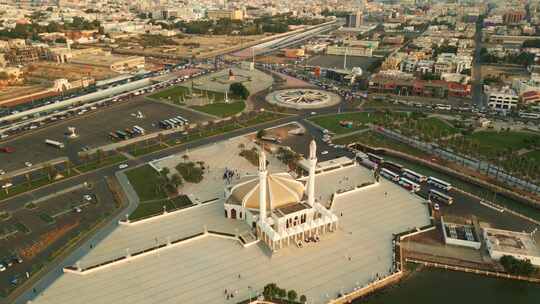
232,14
520,245
503,99
349,51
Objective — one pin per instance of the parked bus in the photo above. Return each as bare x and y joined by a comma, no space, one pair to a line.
182,119
439,183
417,177
409,185
54,143
441,106
392,166
389,175
529,115
122,135
138,130
163,124
439,197
375,158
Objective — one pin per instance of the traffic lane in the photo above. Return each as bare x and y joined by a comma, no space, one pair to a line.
466,206
110,171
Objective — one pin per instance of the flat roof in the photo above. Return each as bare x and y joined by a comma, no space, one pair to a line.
200,270
513,242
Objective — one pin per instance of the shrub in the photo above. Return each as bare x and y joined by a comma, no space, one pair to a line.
517,266
190,172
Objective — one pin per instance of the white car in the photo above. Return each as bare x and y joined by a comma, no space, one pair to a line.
324,152
436,207
87,197
2,267
123,166
77,209
2,172
28,164
6,185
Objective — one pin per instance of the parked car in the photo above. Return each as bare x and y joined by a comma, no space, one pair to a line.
28,164
122,166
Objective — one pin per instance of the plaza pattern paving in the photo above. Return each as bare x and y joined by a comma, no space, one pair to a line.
199,271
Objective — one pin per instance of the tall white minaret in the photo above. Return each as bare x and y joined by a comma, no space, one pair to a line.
312,165
263,173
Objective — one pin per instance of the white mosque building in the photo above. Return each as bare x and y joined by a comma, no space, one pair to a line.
278,207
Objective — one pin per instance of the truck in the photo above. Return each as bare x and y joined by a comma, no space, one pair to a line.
54,143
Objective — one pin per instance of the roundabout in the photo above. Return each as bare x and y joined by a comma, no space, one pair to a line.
303,98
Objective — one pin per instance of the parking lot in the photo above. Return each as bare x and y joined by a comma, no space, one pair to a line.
37,230
93,130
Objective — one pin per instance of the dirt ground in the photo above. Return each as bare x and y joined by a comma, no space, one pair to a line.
16,91
51,71
198,45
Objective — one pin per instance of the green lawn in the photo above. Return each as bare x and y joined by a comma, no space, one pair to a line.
93,165
331,122
174,94
489,141
534,155
358,119
138,151
222,109
375,140
144,180
261,118
148,209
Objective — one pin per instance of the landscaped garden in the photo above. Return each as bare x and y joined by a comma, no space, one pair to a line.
146,182
157,192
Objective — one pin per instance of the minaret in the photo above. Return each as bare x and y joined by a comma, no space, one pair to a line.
263,173
312,165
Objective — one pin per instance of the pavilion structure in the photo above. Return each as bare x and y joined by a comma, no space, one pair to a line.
281,209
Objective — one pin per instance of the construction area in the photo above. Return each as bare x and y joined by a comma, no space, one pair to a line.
188,46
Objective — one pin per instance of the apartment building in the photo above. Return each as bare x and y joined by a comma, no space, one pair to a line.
503,99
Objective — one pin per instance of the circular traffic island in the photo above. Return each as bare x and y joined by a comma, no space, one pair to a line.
303,98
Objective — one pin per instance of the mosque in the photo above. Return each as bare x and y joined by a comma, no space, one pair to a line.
281,209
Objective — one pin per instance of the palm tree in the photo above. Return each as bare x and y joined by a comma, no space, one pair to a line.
49,170
176,179
68,167
28,178
99,155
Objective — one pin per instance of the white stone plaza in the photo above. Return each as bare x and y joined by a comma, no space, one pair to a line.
199,270
303,98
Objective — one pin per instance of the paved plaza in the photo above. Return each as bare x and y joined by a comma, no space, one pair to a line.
217,157
200,270
253,80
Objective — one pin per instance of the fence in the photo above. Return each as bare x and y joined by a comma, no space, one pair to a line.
475,271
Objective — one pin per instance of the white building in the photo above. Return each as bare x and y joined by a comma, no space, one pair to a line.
276,205
520,245
504,99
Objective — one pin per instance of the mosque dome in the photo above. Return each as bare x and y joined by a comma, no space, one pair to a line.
282,189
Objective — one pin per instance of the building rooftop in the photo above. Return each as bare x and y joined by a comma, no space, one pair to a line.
511,242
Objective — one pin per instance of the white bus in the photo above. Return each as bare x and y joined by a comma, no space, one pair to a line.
529,115
441,106
439,197
409,184
439,183
417,177
389,175
138,130
54,143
